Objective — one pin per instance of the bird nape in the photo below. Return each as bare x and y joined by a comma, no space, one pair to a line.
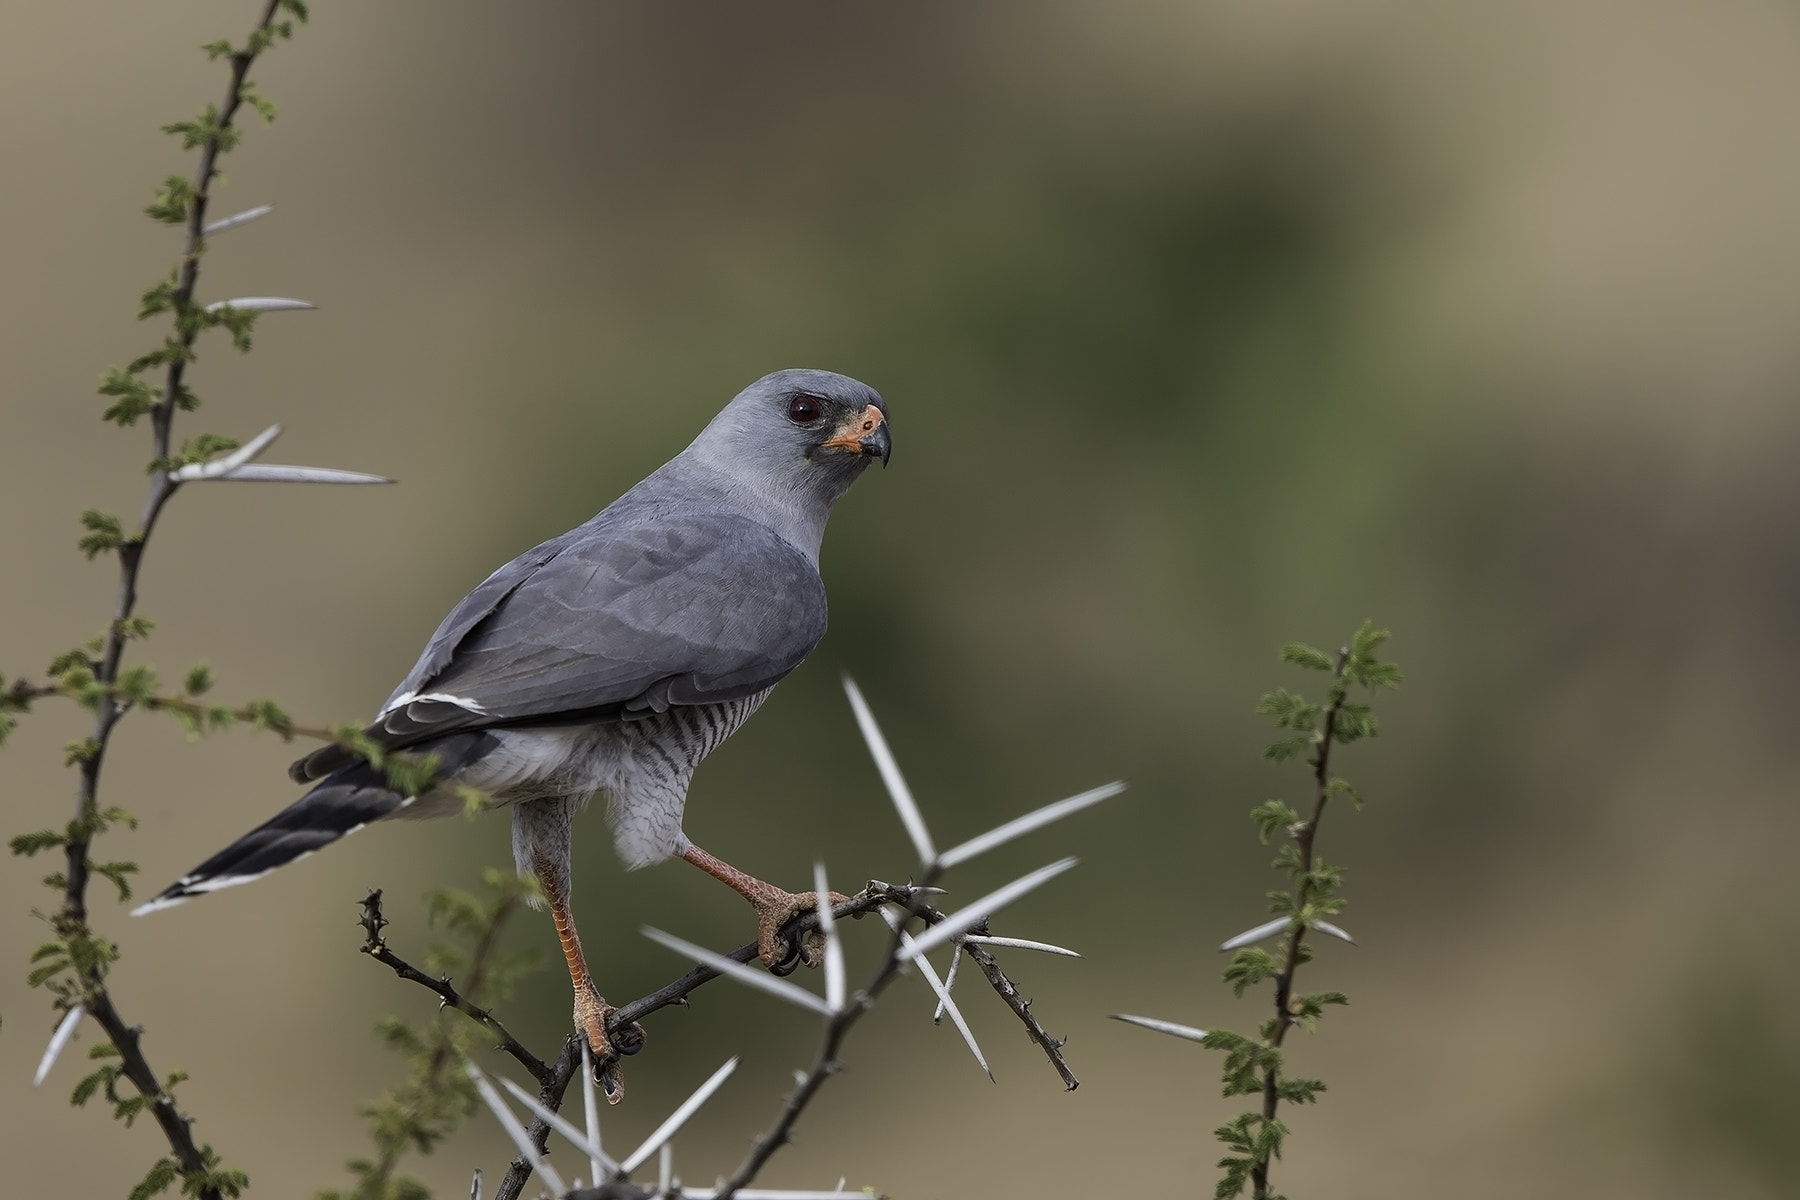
611,660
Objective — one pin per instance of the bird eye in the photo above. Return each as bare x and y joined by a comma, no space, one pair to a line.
803,410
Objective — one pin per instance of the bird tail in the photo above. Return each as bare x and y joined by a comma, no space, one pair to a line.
338,806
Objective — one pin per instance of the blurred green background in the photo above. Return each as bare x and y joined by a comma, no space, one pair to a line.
1204,327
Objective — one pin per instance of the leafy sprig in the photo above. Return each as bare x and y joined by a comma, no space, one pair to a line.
1254,1140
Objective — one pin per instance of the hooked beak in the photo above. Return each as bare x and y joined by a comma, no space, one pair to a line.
866,435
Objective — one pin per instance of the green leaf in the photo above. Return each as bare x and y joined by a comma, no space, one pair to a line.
116,872
68,660
241,322
1289,710
46,972
1250,966
1236,1175
80,751
1303,655
173,200
264,106
266,714
1299,1091
199,680
105,532
410,774
1286,748
1271,816
28,844
137,684
162,1173
47,950
85,1089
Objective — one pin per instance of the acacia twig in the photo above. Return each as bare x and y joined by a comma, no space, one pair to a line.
71,921
550,1095
376,948
1303,837
554,1078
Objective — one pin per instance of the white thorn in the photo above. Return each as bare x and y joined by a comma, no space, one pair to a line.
956,953
678,1118
834,950
890,775
475,1185
591,1112
261,304
791,992
945,1003
1334,931
665,1168
232,222
1020,826
982,939
65,1030
259,473
763,1194
1168,1027
514,1130
973,914
230,462
562,1125
1249,936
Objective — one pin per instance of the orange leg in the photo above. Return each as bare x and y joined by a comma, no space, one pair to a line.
774,908
591,1008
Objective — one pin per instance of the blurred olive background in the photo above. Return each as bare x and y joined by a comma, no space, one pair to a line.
1204,327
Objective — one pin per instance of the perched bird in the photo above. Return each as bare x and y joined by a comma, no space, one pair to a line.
612,660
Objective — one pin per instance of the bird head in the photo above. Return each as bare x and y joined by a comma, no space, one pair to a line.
800,435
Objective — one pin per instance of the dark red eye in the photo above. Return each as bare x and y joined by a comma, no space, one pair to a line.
803,410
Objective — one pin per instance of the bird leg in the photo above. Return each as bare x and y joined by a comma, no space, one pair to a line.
591,1008
774,908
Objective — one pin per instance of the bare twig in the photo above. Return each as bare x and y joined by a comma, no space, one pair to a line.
826,1063
555,1077
377,948
562,1073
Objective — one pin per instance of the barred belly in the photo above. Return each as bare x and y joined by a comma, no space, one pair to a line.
656,757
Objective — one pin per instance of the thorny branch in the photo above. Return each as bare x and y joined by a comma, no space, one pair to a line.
377,948
71,922
554,1078
1303,837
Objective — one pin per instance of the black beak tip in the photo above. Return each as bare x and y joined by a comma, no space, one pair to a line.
878,444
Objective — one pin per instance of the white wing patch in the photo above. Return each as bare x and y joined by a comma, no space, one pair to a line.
462,702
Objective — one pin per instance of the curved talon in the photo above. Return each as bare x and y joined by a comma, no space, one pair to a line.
627,1040
790,959
591,1014
611,1082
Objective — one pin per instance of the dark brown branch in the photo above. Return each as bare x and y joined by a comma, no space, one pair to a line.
1303,837
825,1065
554,1078
838,1026
376,948
550,1095
71,921
1021,1007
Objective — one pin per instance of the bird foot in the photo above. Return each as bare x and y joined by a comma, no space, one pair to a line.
775,909
592,1013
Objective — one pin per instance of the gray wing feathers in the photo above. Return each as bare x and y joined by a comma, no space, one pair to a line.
474,608
610,622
